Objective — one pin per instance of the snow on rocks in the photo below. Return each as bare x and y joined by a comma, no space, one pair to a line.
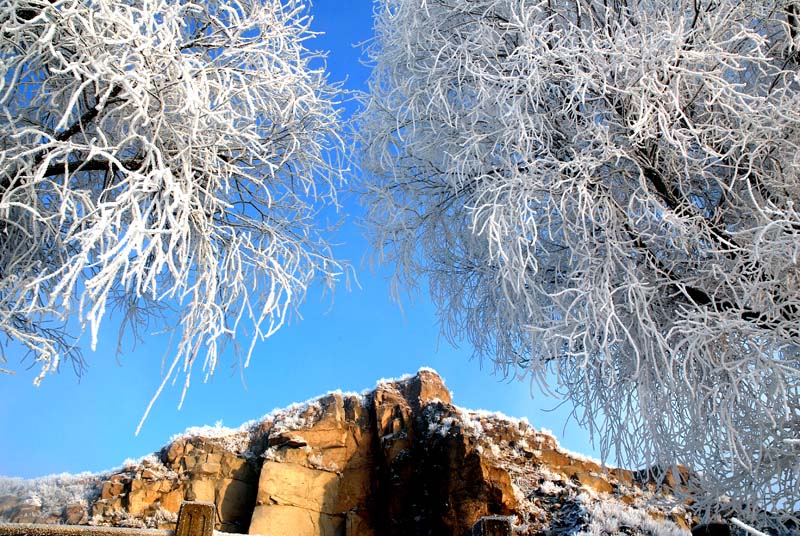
402,451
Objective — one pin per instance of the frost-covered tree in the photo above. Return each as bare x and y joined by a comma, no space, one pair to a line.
165,160
608,191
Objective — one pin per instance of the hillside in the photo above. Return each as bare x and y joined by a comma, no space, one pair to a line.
398,460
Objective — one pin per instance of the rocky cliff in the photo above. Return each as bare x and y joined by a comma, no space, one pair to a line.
398,460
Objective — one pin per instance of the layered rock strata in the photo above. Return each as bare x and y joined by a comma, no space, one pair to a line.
398,460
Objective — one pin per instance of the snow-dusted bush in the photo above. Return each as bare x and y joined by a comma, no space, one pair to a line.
52,492
614,517
608,191
165,160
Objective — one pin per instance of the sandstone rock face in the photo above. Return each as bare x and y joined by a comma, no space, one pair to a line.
399,460
313,475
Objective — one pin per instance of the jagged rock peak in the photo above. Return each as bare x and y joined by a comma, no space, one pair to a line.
398,459
424,387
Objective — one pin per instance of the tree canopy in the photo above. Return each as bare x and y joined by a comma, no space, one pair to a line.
164,160
607,191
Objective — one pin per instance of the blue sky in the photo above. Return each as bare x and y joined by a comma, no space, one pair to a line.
71,425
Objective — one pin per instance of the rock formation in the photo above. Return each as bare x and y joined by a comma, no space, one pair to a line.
399,460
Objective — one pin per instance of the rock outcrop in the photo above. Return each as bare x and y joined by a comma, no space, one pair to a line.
399,460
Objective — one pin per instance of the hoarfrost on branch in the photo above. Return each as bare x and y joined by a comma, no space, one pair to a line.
608,191
165,160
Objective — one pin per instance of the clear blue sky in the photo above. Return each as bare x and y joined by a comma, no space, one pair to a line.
67,425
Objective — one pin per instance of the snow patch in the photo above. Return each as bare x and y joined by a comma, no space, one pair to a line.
548,487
